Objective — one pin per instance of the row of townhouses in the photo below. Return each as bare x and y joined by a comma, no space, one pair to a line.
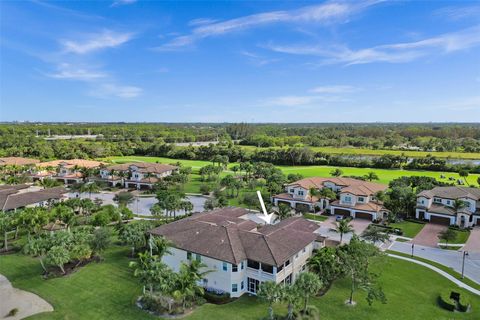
14,197
356,198
240,254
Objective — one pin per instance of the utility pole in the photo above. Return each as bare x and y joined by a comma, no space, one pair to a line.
465,253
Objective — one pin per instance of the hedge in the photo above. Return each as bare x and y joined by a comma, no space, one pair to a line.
217,298
463,304
446,302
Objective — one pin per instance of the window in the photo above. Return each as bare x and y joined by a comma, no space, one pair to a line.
280,268
234,268
225,266
267,268
242,286
296,256
234,287
287,263
189,255
304,250
448,201
361,199
438,200
253,264
242,265
198,258
348,199
300,193
292,190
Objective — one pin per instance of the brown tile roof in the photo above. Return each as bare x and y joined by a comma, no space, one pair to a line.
354,186
454,192
222,235
10,199
144,167
370,206
17,161
72,163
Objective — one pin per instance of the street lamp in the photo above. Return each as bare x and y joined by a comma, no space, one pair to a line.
465,253
413,248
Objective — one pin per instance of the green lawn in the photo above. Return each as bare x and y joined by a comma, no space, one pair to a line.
385,175
315,217
410,229
107,290
462,236
372,152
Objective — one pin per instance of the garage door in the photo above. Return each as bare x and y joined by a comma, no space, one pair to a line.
363,215
440,220
342,212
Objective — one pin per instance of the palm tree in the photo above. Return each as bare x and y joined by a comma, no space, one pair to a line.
336,172
6,224
290,297
284,211
375,234
271,292
187,281
160,245
36,247
90,187
459,205
371,176
307,284
313,193
343,227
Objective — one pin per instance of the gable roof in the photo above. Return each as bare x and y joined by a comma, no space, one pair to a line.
350,185
221,234
12,199
453,192
144,167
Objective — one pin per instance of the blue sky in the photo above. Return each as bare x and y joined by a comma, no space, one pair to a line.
290,61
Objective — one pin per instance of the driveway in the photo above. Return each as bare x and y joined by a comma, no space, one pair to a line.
473,242
428,236
327,227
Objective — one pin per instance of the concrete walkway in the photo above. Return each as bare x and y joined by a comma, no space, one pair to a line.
26,302
441,272
473,242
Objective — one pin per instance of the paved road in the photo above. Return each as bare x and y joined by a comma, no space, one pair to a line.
428,236
449,258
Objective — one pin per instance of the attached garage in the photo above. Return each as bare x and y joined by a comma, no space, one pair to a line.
279,202
363,215
440,220
341,212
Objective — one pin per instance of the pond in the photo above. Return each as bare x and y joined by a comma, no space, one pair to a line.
141,205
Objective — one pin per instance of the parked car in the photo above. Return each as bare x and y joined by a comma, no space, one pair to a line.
340,218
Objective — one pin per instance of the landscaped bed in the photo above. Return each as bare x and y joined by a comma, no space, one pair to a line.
108,290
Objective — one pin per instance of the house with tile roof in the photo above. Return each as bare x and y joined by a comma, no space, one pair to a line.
67,171
240,254
438,205
356,198
17,161
137,175
14,197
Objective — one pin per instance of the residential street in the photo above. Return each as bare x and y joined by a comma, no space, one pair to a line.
449,258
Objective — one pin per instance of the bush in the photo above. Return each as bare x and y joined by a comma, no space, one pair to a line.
463,304
216,297
446,302
12,313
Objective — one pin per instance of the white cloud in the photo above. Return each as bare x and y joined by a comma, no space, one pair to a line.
71,72
393,53
95,42
289,101
323,13
122,2
107,90
200,22
459,13
335,89
256,59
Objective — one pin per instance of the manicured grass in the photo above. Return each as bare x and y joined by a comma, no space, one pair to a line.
462,237
385,175
372,152
315,217
448,270
107,290
410,229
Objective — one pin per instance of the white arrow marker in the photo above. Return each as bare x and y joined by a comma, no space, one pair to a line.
268,218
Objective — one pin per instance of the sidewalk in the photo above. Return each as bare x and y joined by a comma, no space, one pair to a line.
441,272
449,258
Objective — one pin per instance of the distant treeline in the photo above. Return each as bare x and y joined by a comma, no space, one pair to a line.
157,139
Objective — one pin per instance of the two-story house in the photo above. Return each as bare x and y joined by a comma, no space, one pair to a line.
440,205
356,198
136,175
238,254
67,171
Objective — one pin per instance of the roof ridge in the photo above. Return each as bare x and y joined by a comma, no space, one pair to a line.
270,249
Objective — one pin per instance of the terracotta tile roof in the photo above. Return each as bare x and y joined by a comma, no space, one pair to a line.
10,199
144,167
288,196
454,192
370,206
72,163
222,235
17,161
354,186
